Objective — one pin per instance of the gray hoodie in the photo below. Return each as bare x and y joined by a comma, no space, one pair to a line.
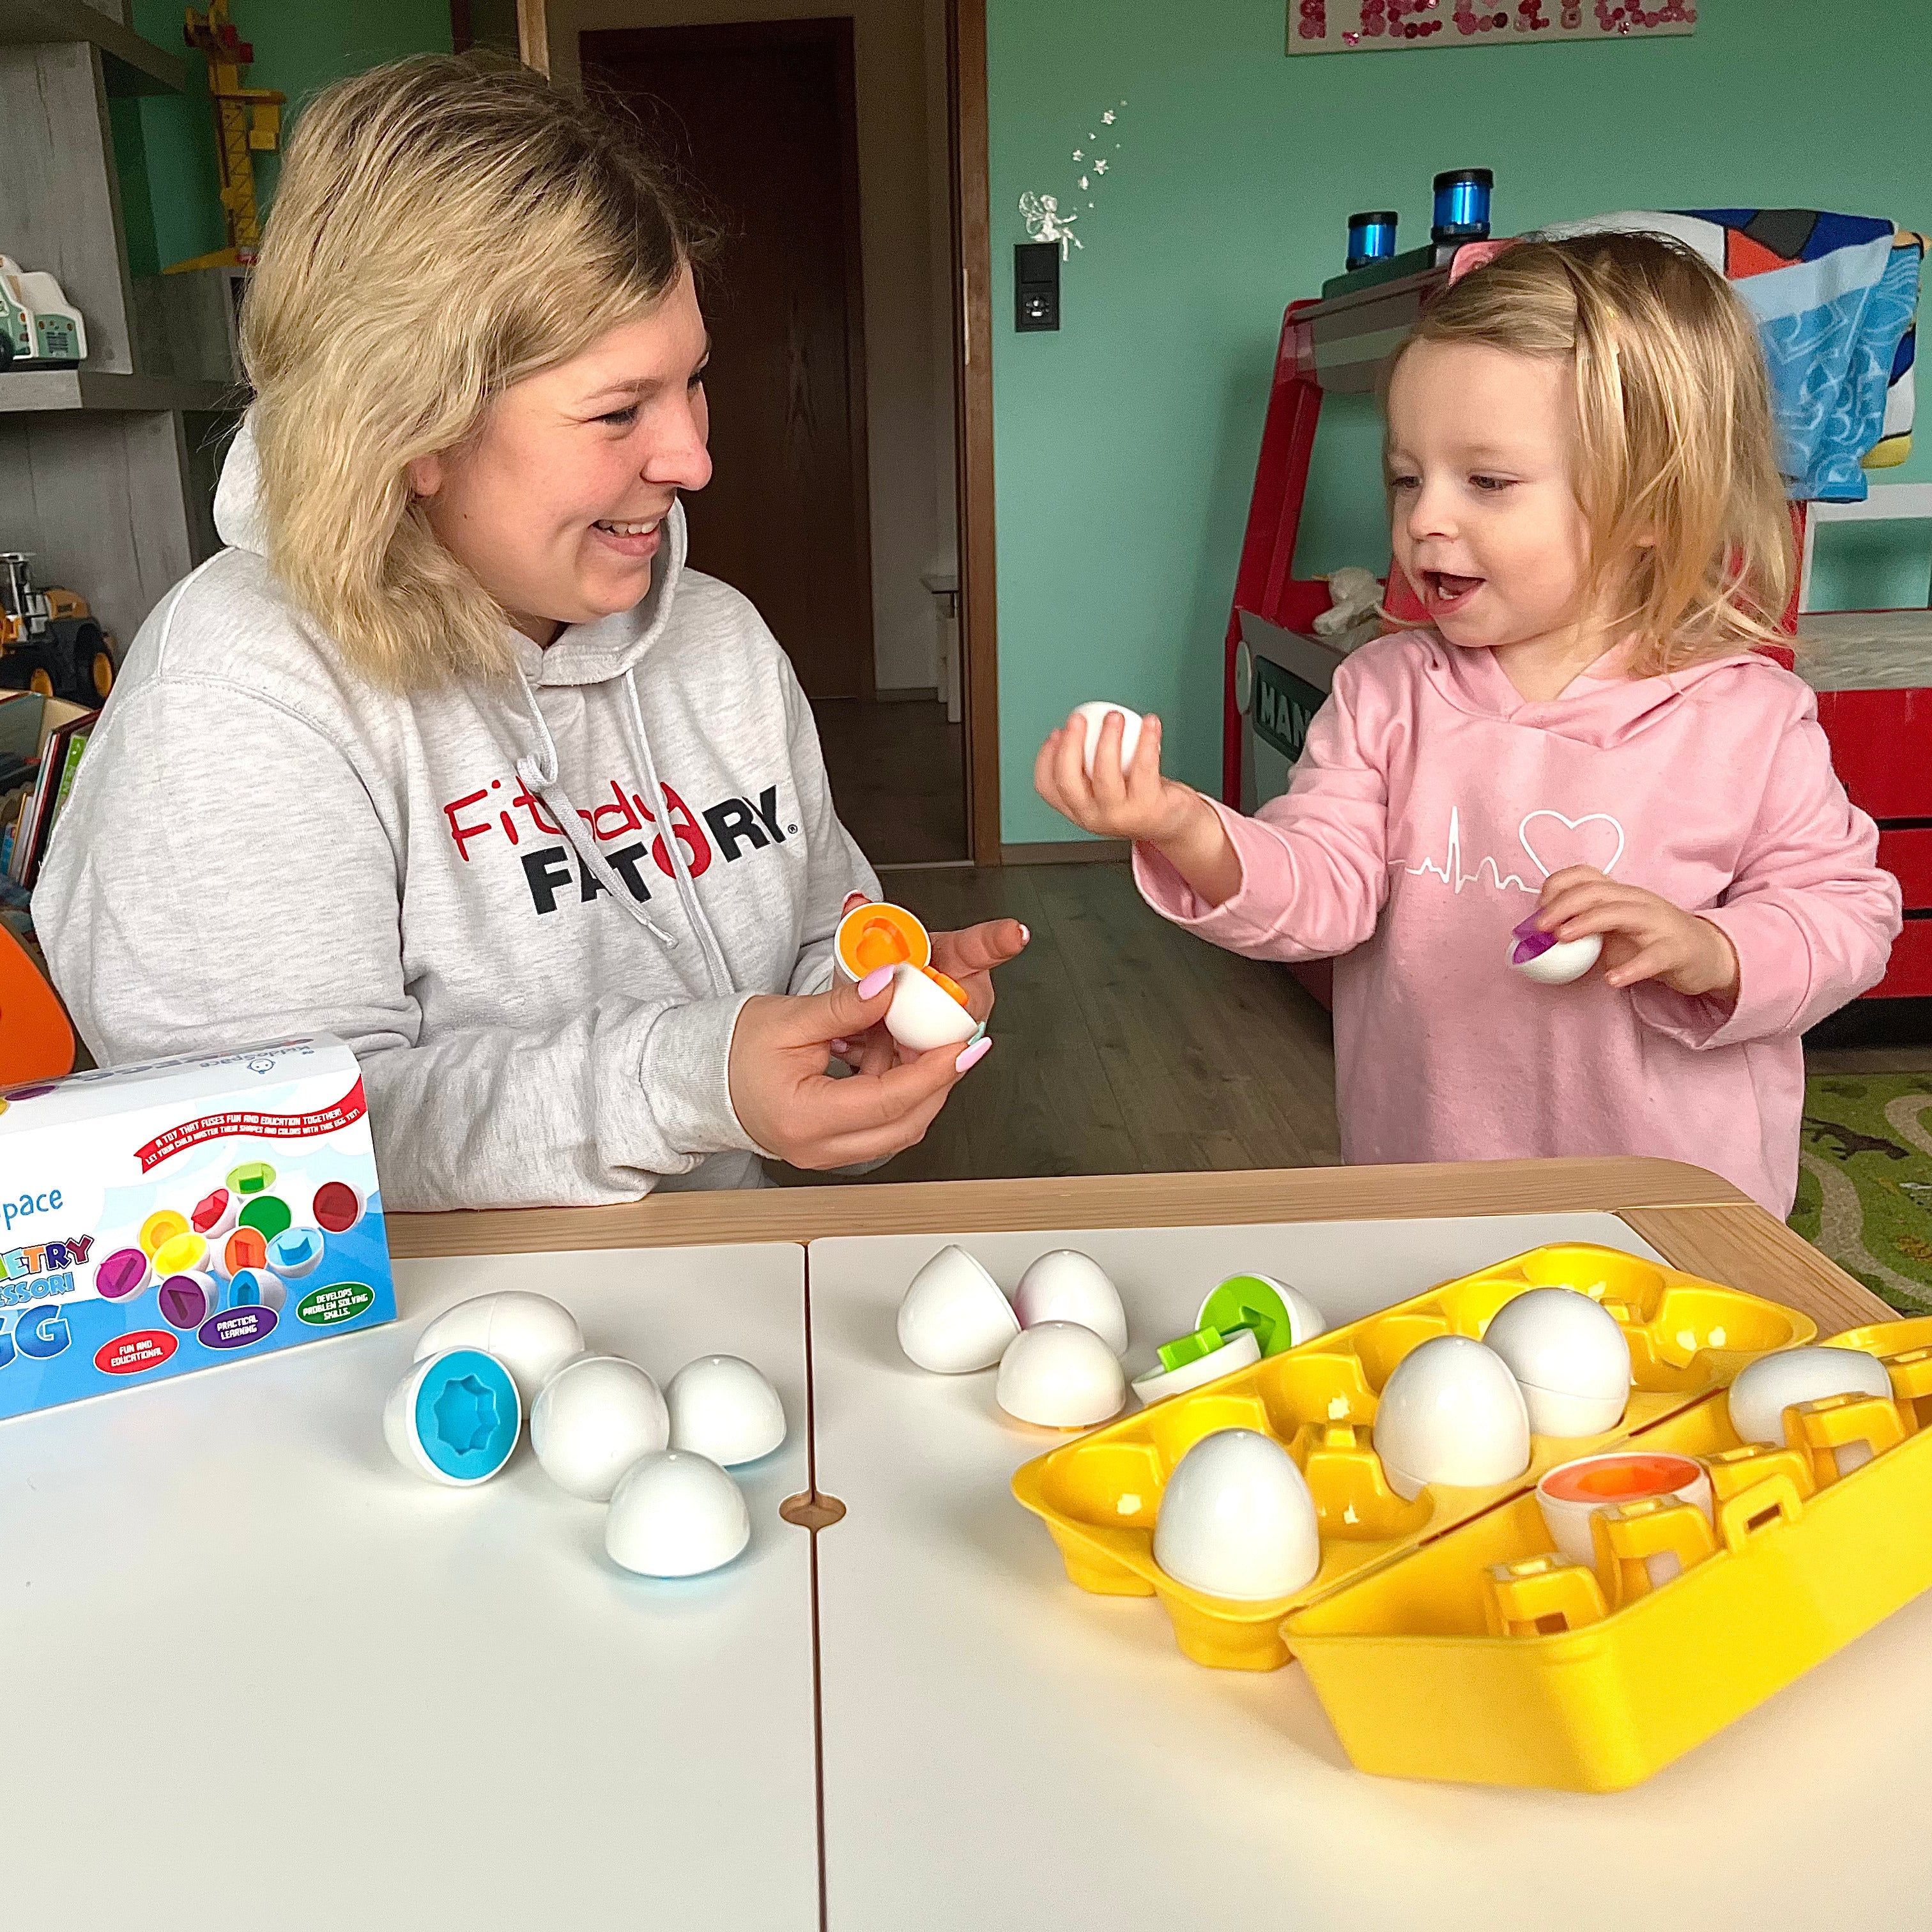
533,912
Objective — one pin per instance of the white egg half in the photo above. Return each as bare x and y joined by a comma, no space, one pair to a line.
721,1407
454,1417
1451,1412
595,1417
1282,1316
1241,1350
674,1514
1573,1494
1568,1355
1557,965
1061,1375
1237,1519
1093,716
531,1335
923,1015
1064,1285
1768,1387
955,1317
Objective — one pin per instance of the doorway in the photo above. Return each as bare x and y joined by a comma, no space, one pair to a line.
764,119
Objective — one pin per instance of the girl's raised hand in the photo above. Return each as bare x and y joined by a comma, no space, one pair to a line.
1137,802
1133,801
1644,937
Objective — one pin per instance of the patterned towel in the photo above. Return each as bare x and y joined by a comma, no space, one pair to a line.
1834,297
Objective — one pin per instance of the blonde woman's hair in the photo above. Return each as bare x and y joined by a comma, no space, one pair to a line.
443,228
1690,535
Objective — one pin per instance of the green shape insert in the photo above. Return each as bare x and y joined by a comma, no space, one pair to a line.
1250,1301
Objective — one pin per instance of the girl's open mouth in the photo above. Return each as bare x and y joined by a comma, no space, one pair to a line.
629,538
1442,591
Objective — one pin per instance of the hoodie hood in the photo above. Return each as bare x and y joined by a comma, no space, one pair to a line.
581,654
1604,712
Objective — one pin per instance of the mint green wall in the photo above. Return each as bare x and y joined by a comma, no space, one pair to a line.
1126,443
301,46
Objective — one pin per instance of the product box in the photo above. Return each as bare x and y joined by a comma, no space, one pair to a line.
159,1219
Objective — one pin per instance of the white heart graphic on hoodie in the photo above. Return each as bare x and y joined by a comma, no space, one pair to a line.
1568,850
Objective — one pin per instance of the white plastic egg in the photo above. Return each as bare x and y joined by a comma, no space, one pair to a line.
1237,1519
1557,964
674,1514
1281,1316
721,1407
1064,1285
531,1335
595,1417
1765,1388
1569,1357
923,1015
1451,1412
1092,716
1060,1375
955,1317
454,1417
1241,1350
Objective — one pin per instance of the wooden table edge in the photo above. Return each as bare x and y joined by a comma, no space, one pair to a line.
1697,1221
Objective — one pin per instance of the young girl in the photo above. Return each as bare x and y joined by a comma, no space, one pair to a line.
1583,492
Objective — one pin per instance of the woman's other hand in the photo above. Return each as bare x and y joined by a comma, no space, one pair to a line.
789,1103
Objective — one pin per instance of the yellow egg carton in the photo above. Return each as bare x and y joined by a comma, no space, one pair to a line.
1535,1671
1099,1495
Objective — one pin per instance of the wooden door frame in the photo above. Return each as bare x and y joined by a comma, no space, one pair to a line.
973,421
836,31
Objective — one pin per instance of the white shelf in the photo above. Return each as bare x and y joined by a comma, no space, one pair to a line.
134,65
22,390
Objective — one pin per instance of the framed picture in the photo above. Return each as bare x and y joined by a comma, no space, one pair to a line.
1381,26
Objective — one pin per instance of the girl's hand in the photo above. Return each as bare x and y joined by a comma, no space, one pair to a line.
1138,802
1644,937
792,1107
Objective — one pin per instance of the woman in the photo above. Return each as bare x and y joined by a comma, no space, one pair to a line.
449,754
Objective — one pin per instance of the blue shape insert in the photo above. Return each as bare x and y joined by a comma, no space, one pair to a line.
467,1414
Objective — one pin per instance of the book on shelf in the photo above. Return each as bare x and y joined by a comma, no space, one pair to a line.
41,741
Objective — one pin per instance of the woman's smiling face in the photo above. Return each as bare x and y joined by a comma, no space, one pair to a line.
557,506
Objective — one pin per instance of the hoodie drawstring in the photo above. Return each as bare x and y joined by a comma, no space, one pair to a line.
539,775
715,963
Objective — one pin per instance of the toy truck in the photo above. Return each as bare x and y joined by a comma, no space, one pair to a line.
49,639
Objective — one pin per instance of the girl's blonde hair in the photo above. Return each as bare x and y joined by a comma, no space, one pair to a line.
443,227
1690,535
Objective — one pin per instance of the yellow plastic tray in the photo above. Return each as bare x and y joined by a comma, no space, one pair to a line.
1484,1658
1100,1494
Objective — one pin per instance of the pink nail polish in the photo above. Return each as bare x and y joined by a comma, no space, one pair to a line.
1026,937
972,1057
842,1046
875,982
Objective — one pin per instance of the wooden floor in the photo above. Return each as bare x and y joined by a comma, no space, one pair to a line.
1121,1044
899,777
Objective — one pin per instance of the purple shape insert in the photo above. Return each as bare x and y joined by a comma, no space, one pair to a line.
1531,944
121,1274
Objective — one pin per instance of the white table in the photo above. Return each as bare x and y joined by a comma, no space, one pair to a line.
259,1677
1003,1749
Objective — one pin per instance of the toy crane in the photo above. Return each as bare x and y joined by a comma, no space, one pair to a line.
247,122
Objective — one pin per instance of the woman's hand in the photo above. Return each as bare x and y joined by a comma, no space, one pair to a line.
788,1103
968,957
1137,802
1644,937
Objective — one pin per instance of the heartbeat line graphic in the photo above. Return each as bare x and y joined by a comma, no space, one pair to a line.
1450,871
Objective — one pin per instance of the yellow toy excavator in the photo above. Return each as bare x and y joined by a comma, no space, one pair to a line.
49,639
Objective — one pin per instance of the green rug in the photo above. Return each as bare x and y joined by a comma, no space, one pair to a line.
1864,1181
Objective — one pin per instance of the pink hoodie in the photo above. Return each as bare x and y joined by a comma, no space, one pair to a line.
1429,804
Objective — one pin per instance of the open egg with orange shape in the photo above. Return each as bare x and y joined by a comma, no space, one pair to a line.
927,1009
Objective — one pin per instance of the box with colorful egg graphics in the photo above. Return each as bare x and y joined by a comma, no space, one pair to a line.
162,1218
